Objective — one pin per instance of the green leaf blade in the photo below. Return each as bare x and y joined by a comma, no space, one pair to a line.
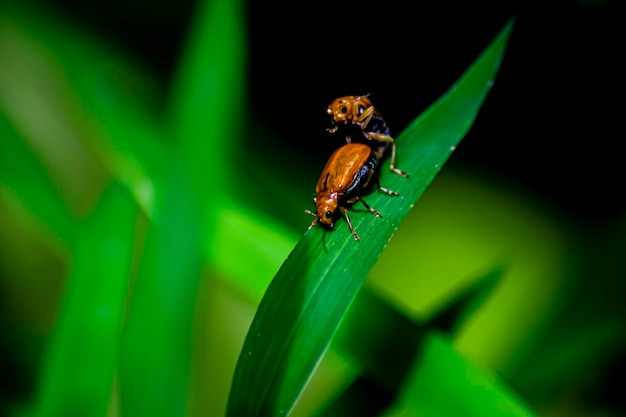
81,360
23,173
156,347
310,294
207,99
441,373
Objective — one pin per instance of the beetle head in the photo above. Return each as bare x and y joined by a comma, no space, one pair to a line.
327,204
348,108
341,109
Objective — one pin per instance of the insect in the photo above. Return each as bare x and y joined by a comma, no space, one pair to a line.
349,173
355,118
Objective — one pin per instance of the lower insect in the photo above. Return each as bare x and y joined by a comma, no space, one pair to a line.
350,172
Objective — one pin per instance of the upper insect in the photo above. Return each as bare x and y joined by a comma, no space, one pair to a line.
356,120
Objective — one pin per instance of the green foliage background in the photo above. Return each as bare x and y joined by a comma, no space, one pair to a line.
139,232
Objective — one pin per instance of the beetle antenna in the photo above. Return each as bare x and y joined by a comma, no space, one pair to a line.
307,211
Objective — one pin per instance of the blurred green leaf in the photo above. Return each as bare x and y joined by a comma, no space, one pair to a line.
570,358
80,362
207,105
112,104
154,370
22,173
443,383
310,294
67,90
383,342
244,233
156,342
451,317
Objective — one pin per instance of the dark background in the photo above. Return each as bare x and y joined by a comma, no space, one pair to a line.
550,123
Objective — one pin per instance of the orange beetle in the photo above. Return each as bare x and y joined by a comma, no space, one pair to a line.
358,111
349,173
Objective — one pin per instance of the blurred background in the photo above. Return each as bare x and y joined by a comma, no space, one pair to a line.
536,183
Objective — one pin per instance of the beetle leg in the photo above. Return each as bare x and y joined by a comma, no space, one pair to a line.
376,213
388,139
386,190
381,137
364,119
393,161
345,214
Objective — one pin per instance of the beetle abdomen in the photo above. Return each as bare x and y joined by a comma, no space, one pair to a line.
363,178
346,168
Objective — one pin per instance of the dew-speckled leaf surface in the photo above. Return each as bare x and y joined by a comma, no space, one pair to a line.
310,294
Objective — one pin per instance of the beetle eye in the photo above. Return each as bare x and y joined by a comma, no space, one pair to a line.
329,214
361,109
343,110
